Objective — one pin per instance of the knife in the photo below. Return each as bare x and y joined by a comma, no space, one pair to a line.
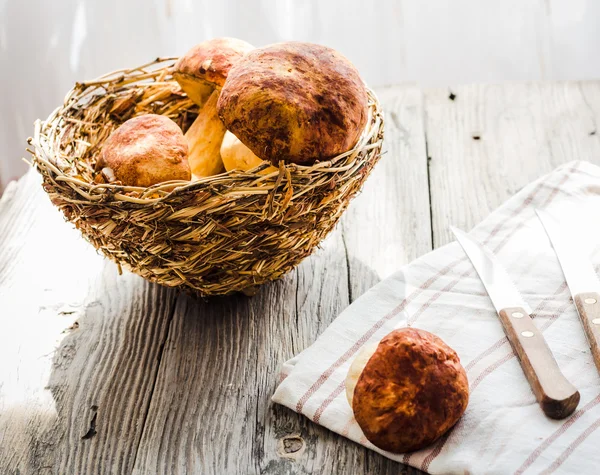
557,397
580,276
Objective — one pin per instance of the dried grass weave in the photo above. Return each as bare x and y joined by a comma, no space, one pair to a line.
221,234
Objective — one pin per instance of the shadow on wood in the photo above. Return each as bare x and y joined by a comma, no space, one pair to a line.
211,407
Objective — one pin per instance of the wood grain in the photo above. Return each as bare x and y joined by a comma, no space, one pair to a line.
389,223
80,346
557,397
588,307
492,140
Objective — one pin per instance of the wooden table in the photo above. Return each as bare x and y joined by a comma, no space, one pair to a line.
104,373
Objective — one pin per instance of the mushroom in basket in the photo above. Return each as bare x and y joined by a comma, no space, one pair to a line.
201,73
144,151
293,101
407,390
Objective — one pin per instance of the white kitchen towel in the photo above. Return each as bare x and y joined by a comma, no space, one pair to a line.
503,430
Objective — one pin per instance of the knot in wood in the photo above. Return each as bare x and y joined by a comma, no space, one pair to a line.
291,446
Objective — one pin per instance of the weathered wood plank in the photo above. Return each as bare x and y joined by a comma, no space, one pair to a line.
80,346
523,130
388,224
211,409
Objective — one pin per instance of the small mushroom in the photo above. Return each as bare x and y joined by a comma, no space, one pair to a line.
236,156
407,390
293,101
144,151
201,73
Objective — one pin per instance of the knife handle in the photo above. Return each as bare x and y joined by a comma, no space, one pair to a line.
557,396
588,306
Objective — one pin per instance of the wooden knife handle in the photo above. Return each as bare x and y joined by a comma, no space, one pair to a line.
557,396
588,306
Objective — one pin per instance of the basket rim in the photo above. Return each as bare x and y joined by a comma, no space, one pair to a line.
44,130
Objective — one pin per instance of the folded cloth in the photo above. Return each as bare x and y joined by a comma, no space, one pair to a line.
503,430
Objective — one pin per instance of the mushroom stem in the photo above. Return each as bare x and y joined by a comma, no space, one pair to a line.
236,156
199,72
204,139
356,368
196,91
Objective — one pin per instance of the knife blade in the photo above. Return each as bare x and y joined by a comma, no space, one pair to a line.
581,278
557,397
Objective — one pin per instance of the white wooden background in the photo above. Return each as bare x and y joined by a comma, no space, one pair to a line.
47,45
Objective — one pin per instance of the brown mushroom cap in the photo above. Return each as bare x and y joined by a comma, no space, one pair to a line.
146,150
206,65
294,101
411,391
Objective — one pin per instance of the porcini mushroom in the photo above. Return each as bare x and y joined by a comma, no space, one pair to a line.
146,150
201,73
236,156
293,101
407,390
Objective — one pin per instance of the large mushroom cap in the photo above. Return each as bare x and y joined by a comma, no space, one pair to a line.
206,65
410,391
147,150
294,101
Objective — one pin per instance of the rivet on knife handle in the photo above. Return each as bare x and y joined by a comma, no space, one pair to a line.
557,397
588,306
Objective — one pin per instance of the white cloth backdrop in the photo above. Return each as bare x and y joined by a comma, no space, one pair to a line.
47,45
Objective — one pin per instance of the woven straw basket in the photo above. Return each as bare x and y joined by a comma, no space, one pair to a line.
221,234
